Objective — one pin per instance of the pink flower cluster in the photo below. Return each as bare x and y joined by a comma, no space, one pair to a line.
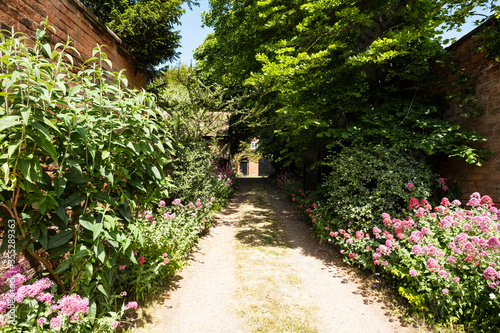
72,306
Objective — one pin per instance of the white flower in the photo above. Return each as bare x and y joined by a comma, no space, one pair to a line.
492,296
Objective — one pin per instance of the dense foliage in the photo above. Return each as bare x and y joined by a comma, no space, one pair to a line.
87,167
325,73
443,259
147,27
365,182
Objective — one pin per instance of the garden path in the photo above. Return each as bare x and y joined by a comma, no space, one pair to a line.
259,269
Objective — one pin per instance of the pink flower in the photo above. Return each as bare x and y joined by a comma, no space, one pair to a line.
212,199
124,293
414,272
433,265
414,203
72,306
409,186
456,279
493,243
491,274
142,260
445,291
176,202
122,266
162,203
441,180
41,321
45,297
115,324
56,322
131,305
445,202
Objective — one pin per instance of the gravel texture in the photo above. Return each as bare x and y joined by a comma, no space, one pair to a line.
203,298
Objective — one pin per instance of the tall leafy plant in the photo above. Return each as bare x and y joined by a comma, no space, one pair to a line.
80,154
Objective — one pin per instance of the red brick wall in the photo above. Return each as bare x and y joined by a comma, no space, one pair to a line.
485,76
73,19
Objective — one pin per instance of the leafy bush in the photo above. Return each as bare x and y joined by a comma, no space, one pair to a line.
364,182
82,159
444,260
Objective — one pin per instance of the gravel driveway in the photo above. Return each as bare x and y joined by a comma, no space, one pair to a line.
260,269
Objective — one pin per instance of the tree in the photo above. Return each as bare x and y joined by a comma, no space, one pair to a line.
146,27
340,72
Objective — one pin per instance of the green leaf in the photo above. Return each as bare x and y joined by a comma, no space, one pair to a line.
25,113
59,185
87,221
156,172
104,197
61,212
74,199
9,121
103,290
91,314
96,230
44,237
62,266
100,253
59,239
25,168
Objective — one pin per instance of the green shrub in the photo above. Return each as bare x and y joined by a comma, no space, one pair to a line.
365,182
81,158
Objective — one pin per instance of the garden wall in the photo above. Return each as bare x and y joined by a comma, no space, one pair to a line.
485,77
70,18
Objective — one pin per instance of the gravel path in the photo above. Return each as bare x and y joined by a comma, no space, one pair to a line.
204,297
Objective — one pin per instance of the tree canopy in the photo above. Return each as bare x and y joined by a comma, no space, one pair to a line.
326,73
146,27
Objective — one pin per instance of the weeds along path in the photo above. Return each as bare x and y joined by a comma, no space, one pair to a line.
260,270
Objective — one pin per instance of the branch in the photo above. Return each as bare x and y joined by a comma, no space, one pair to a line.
48,266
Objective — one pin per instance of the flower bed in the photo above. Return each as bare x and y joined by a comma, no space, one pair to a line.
87,168
443,259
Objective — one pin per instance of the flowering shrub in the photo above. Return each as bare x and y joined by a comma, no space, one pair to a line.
82,156
364,182
168,232
444,260
36,305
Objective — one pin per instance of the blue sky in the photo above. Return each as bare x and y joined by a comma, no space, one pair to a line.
193,34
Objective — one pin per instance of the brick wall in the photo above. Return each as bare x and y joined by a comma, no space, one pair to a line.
485,77
70,18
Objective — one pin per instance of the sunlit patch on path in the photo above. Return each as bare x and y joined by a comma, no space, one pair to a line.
260,269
